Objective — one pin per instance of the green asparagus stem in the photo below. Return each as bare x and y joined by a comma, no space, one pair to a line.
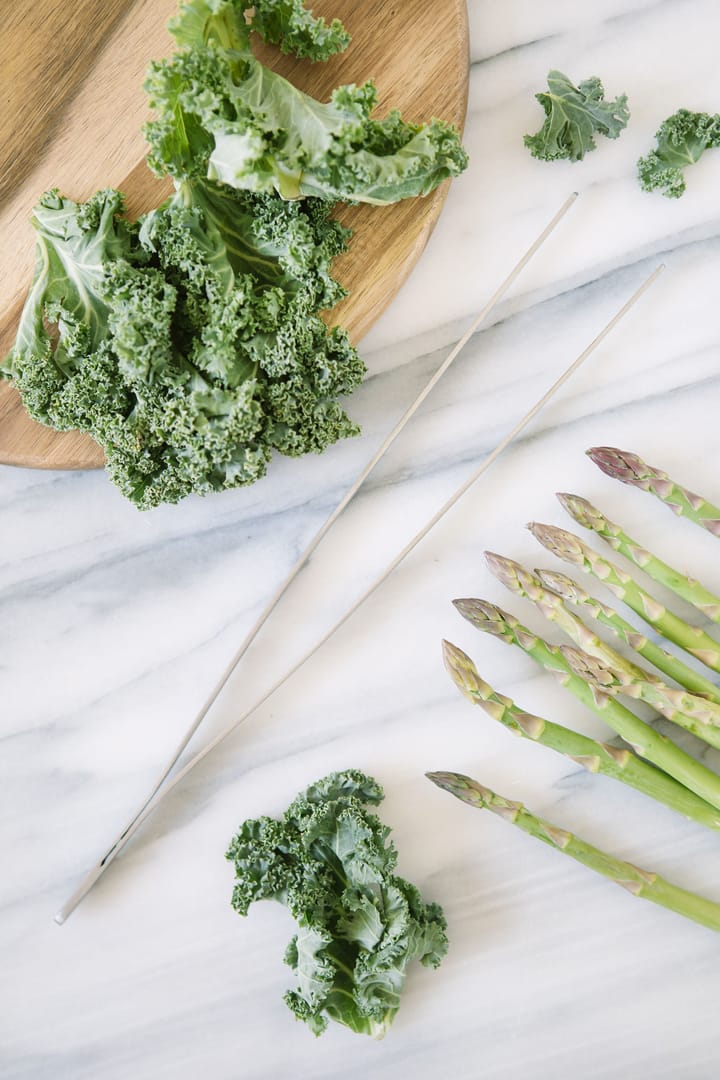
685,587
641,883
694,714
570,548
630,469
596,757
571,593
646,742
521,581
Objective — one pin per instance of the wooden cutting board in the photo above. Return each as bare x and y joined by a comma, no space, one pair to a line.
73,105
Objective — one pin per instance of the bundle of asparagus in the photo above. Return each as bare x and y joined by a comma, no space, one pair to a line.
599,675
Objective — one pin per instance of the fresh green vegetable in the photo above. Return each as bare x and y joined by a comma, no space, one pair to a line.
696,715
329,861
597,757
688,589
189,345
224,115
573,116
571,593
523,583
570,548
682,139
641,883
631,469
646,742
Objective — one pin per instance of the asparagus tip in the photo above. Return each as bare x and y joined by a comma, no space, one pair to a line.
619,464
461,670
505,570
462,787
484,615
565,545
582,511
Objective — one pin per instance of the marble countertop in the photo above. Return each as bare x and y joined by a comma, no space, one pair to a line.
116,624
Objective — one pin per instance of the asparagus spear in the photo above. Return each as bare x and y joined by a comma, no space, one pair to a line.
522,582
570,548
685,587
648,743
694,714
569,591
628,467
641,883
596,757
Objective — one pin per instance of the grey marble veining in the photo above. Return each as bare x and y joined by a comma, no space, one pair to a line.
115,625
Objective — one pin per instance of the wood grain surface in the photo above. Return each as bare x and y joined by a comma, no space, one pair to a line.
73,106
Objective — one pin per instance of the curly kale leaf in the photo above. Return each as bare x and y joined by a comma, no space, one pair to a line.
73,247
191,345
224,115
682,139
573,115
330,861
287,23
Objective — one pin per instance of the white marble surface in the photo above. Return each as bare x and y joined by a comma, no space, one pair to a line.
115,624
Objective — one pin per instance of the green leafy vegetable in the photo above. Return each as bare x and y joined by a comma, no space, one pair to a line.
224,115
682,139
573,116
329,861
190,344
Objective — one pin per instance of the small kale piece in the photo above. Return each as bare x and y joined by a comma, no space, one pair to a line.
573,115
330,862
682,139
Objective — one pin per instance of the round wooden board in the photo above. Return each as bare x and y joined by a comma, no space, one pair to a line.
74,111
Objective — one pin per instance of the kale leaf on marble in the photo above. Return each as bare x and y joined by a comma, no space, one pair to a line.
573,116
682,139
331,863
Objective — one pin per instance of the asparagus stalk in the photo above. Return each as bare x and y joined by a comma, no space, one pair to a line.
570,548
630,469
640,883
596,757
646,742
699,717
571,593
524,583
683,586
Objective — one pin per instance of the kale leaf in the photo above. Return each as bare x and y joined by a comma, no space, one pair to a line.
330,862
188,345
224,115
681,140
573,115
